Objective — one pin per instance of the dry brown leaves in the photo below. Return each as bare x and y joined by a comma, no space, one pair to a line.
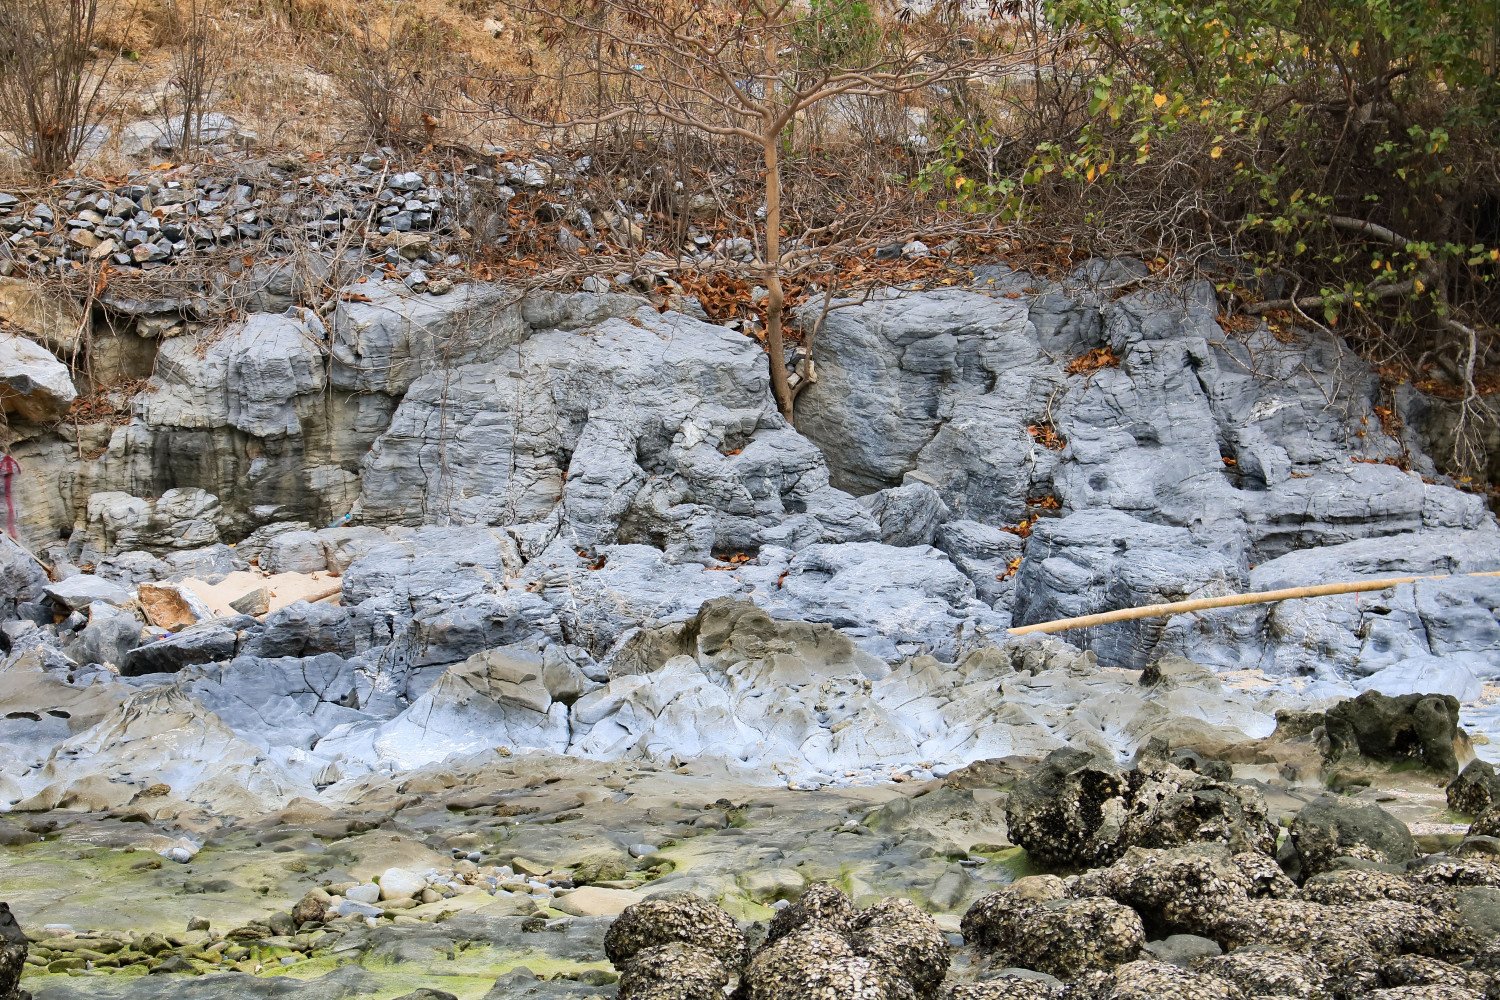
1087,364
108,404
1023,529
1238,323
1046,435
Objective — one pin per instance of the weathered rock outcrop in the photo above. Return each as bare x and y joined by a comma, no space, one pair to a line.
1075,810
1176,461
1413,727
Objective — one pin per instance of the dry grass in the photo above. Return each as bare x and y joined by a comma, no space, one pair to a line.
279,86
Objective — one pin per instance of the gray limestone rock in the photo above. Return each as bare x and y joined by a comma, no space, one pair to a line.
909,514
989,557
656,432
78,592
22,581
108,637
1101,560
210,642
386,342
260,376
34,385
178,519
1428,624
283,702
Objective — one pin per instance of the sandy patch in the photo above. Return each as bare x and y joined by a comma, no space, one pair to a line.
284,588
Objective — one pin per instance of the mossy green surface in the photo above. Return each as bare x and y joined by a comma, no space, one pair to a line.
109,889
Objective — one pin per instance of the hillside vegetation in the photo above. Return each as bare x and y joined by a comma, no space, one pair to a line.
1328,164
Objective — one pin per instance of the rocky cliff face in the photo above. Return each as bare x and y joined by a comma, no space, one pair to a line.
536,495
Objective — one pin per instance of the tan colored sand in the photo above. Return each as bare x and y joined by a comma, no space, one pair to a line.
284,588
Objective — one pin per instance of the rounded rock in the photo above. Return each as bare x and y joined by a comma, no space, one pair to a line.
814,963
674,971
1487,824
906,940
1005,989
1330,828
1176,891
821,905
1146,980
1258,972
1475,789
670,917
1062,938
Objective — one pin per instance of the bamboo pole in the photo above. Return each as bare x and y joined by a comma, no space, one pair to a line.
18,544
1231,601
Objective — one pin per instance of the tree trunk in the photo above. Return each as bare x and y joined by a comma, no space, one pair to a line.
776,295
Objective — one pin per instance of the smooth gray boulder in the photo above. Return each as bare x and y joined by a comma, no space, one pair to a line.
496,698
77,592
1328,830
108,637
209,642
34,385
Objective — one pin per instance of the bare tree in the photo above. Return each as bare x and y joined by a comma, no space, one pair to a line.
203,54
393,63
747,71
49,100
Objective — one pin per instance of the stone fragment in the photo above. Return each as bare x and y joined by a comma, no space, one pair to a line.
77,592
596,901
34,385
255,603
171,607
